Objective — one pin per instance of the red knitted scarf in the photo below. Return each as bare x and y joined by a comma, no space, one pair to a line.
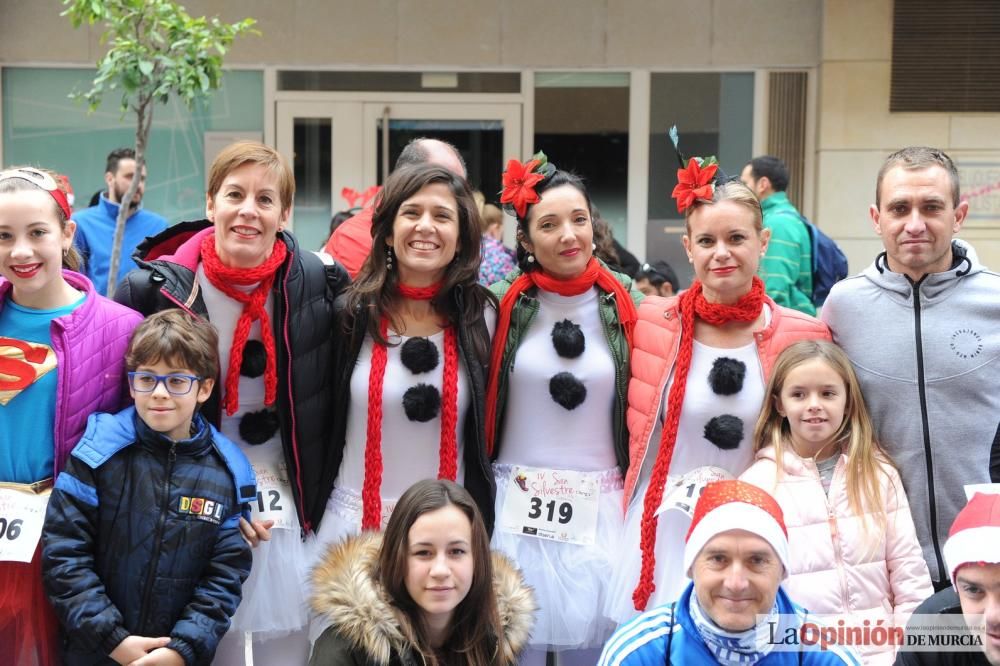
692,303
223,278
593,274
371,492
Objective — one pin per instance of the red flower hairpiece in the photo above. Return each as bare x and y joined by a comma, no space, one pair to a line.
519,181
695,182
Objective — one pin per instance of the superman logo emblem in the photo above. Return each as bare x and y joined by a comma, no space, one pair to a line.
21,365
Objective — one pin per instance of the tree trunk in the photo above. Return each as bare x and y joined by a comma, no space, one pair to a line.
144,117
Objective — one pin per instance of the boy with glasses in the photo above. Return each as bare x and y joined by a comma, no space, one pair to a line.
142,553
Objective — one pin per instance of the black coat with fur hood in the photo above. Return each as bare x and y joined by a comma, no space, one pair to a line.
365,629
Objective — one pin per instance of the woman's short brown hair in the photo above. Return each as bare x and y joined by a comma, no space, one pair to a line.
178,338
251,152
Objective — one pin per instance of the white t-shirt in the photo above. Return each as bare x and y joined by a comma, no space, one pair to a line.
410,448
540,432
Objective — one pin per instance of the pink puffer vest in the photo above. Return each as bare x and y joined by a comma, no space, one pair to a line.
655,343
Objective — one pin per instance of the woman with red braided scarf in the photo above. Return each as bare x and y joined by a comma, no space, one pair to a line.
411,361
272,304
556,410
699,367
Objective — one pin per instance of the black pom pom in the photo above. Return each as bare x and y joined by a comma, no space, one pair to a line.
567,390
419,355
726,376
258,427
567,339
421,402
725,431
254,359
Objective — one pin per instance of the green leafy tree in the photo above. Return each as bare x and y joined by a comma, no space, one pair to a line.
155,49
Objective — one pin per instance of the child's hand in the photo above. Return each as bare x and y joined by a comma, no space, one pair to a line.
160,657
256,531
136,647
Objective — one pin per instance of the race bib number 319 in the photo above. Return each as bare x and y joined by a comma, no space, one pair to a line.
559,505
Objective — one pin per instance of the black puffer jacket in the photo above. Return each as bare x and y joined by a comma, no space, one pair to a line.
478,473
303,320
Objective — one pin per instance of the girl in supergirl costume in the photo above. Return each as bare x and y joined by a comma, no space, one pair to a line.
556,409
62,357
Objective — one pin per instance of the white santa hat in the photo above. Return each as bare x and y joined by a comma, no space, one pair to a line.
736,505
974,537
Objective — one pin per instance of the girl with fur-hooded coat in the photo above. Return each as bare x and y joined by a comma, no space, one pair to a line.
367,629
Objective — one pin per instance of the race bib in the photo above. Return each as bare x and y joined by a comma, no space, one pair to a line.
274,493
559,505
682,492
22,512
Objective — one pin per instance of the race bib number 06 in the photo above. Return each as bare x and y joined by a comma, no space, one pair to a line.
22,513
559,505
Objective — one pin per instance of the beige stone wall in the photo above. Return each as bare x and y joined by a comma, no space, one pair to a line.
470,33
856,131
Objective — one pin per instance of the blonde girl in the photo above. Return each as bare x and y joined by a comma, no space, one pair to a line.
852,545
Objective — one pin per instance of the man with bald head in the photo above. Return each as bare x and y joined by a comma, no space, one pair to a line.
351,243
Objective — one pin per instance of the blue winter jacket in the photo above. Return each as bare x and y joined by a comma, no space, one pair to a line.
142,537
668,630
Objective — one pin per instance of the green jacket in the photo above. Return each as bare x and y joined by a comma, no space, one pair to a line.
524,313
786,269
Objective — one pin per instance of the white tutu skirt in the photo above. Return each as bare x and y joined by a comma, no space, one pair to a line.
569,580
341,520
275,595
669,575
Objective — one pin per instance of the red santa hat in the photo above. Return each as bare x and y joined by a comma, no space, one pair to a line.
975,535
736,505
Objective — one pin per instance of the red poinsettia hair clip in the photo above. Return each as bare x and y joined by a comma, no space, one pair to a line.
694,182
520,181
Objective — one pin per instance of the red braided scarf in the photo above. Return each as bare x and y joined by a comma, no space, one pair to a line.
692,303
593,274
223,278
371,493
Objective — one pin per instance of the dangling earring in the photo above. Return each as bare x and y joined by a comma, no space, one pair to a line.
593,246
531,258
388,258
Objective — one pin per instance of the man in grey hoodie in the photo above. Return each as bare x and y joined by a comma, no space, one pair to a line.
922,326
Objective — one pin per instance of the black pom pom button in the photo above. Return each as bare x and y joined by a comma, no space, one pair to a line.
254,359
258,427
419,355
568,339
421,403
727,375
567,390
725,431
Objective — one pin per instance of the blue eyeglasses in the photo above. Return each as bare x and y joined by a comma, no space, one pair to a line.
176,383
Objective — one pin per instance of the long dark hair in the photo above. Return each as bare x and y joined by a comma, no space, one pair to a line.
558,178
374,290
475,625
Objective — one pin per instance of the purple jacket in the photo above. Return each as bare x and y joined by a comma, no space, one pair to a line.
90,345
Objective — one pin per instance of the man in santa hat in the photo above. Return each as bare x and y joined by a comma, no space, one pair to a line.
973,556
734,610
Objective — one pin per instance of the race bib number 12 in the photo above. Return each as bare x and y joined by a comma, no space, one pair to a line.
559,505
22,513
274,496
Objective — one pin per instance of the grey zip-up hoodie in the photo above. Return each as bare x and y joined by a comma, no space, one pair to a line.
928,358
